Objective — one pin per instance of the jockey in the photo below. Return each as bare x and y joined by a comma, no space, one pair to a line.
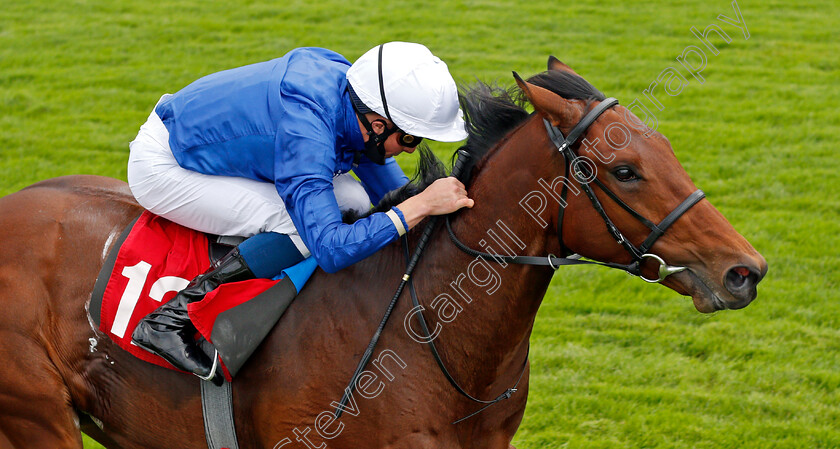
263,151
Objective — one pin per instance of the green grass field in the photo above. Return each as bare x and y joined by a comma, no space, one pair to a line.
616,363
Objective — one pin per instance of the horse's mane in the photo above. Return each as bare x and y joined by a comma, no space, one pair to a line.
490,112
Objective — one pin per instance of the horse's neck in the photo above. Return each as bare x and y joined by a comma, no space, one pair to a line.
498,303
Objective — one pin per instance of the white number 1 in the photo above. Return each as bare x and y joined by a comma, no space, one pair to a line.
137,275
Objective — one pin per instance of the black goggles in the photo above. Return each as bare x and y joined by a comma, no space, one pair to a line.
403,139
407,140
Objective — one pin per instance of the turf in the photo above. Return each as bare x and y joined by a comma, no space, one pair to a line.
615,363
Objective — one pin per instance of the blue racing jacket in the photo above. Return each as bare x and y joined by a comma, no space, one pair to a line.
288,121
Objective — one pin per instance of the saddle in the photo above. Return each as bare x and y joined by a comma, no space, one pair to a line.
155,258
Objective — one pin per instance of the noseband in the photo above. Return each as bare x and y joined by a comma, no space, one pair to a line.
582,174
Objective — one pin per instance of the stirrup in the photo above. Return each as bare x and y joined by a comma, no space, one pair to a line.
212,374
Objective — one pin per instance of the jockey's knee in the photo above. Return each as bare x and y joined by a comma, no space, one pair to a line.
141,185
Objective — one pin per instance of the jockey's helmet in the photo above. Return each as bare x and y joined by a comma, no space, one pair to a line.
410,86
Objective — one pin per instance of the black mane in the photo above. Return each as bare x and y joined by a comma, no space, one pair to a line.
490,112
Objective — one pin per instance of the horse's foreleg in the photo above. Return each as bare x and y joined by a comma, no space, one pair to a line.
34,412
35,409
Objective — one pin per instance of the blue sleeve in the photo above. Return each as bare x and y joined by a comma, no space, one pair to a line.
380,179
304,161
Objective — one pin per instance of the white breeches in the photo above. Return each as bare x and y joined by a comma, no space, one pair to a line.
221,205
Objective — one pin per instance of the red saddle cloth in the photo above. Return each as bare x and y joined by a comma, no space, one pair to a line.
156,260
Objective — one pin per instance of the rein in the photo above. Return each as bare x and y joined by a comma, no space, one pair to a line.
428,337
639,254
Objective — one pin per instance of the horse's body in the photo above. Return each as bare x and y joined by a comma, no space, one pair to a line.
57,369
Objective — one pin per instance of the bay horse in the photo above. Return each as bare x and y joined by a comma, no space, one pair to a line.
60,374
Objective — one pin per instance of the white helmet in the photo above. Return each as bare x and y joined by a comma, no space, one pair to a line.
412,87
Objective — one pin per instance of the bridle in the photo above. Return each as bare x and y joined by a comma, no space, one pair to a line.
582,174
565,146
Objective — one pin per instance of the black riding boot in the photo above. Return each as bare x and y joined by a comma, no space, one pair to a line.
168,331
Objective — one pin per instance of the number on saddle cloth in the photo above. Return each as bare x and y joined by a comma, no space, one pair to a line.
154,258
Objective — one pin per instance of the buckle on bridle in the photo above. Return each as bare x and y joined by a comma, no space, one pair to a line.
664,271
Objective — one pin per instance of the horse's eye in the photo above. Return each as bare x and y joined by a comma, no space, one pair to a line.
625,174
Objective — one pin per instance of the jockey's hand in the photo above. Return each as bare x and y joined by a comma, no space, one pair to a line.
444,196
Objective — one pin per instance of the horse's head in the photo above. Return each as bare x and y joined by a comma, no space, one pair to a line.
638,166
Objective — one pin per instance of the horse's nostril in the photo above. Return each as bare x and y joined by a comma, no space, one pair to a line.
740,280
735,280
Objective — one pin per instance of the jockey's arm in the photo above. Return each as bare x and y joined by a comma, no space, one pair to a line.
380,179
442,197
303,173
335,245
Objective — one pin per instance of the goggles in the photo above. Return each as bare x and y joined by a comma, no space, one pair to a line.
407,140
403,139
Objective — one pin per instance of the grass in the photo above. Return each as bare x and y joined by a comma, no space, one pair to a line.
615,363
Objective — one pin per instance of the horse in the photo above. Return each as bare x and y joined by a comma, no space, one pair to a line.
61,375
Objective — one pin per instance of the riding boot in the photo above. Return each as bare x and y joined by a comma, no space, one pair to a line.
168,331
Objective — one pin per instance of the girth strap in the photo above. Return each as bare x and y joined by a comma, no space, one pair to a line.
217,405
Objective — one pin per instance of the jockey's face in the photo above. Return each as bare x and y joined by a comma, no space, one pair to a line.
392,144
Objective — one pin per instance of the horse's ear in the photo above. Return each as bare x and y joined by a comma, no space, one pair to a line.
556,64
559,110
